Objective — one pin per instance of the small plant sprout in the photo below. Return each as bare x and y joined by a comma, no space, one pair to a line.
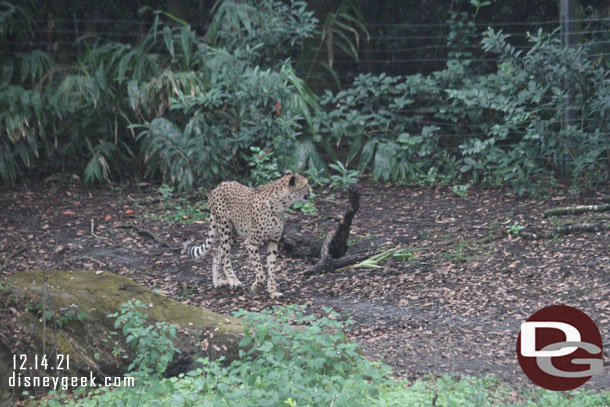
345,178
514,229
460,190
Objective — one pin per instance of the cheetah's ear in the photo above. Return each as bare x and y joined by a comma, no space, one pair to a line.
287,172
292,181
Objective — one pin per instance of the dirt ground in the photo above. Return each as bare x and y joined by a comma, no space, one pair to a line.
455,306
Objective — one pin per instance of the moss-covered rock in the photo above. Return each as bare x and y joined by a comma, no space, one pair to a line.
76,324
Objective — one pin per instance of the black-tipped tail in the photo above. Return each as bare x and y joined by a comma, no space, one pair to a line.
194,251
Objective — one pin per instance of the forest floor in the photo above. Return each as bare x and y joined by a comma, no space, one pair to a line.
453,306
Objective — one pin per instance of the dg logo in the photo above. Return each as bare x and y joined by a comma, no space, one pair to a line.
560,348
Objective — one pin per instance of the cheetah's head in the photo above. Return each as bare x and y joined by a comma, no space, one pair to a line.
299,189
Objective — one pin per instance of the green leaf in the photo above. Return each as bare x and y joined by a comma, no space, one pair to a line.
367,154
473,163
354,149
133,93
245,341
384,161
169,41
186,42
406,138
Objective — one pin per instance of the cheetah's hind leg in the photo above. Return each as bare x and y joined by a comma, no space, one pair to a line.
218,279
271,258
228,234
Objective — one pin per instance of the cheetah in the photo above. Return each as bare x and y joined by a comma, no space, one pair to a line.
255,214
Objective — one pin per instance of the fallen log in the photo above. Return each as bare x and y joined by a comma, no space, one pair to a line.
565,230
29,324
297,244
571,210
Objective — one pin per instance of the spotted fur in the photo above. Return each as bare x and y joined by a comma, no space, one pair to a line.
257,215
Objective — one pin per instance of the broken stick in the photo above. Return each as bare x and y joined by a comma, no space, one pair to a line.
150,235
20,249
571,210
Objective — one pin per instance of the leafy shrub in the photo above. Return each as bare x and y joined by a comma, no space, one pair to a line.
264,166
310,364
307,206
524,136
152,343
278,27
384,121
344,177
238,110
187,108
502,127
230,103
181,106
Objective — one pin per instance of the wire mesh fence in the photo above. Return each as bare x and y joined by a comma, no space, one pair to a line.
393,48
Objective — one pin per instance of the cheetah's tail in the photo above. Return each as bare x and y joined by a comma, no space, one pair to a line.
196,251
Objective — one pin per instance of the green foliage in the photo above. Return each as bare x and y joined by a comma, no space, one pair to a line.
460,190
315,175
277,26
264,168
528,118
311,364
178,105
187,108
307,206
498,128
462,32
59,318
66,316
211,127
345,178
370,118
283,361
377,261
152,343
514,229
17,20
179,209
341,30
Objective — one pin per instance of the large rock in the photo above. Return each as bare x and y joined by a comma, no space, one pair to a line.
89,340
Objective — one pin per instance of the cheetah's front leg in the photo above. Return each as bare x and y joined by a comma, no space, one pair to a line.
271,256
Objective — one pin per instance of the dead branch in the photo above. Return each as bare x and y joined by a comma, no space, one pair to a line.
334,246
150,235
338,245
328,264
565,230
20,249
571,210
93,230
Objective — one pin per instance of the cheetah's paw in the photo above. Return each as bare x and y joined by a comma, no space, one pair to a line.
275,295
221,282
234,283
